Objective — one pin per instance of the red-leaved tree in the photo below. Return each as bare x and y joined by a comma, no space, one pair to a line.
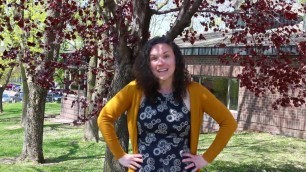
106,36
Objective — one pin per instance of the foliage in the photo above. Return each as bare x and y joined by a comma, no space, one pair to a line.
28,27
94,28
3,73
262,72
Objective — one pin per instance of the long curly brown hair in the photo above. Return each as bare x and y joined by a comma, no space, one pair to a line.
145,77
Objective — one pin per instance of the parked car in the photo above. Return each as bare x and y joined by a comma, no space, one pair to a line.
5,98
16,98
57,97
49,97
14,87
13,96
54,97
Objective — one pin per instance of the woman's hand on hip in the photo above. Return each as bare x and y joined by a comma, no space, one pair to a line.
132,161
196,161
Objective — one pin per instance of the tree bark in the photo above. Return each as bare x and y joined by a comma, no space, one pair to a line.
91,132
33,135
25,96
1,93
304,21
183,19
99,94
25,88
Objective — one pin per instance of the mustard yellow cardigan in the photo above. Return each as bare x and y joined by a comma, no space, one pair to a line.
201,100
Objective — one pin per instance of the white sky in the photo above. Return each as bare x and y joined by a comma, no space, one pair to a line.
160,24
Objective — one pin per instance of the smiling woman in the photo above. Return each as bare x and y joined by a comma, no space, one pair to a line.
164,113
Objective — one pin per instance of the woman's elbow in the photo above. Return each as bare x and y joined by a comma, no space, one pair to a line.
234,125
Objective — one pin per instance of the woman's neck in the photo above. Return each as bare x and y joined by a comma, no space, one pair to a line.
165,88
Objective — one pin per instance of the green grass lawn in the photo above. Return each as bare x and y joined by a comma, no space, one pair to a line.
65,150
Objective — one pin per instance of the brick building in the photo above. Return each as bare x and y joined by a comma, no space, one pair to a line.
251,112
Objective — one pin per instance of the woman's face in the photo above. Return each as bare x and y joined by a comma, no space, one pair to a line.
162,62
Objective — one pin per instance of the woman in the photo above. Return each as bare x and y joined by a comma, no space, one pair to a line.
164,114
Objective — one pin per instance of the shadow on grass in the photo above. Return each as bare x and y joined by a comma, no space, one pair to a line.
68,156
13,131
10,119
73,149
36,169
12,111
53,126
226,166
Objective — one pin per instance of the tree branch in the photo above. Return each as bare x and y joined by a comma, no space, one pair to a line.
156,12
111,6
222,13
184,18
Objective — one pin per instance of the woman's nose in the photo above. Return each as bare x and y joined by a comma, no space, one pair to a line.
160,61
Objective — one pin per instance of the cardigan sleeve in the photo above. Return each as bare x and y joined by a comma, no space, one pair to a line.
228,125
109,114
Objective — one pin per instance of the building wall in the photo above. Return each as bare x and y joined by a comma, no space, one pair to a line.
71,108
253,113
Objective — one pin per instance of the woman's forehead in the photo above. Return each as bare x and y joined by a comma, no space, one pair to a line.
161,48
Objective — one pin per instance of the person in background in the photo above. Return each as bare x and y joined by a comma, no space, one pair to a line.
164,114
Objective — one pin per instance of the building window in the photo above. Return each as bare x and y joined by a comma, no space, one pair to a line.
225,89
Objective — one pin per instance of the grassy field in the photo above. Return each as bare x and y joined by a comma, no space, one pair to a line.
65,150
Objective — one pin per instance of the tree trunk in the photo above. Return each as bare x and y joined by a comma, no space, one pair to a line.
121,78
25,88
304,20
33,134
1,93
99,94
91,132
25,96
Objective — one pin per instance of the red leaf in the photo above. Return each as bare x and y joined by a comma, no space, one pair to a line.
21,23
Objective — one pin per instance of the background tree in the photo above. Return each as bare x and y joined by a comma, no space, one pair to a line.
44,28
34,52
271,26
6,64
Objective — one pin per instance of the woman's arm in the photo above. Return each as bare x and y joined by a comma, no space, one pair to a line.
109,114
228,125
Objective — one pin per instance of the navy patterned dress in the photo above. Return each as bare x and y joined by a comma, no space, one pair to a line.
163,134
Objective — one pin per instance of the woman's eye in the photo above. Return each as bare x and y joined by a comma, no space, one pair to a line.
153,58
